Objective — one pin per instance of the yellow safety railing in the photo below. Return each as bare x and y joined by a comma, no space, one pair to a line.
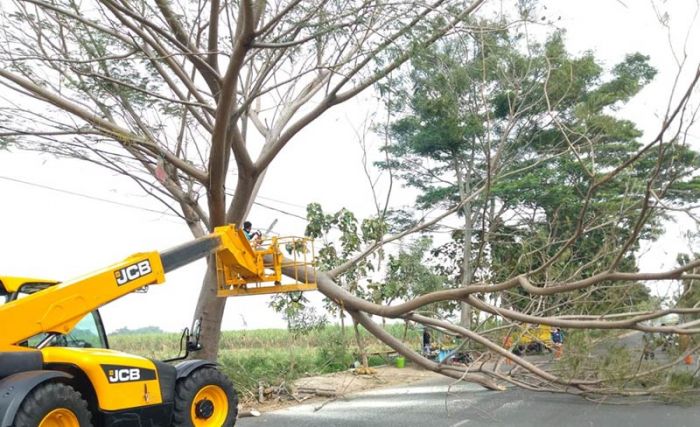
286,265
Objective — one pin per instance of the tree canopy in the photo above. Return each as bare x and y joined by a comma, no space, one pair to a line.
191,99
536,129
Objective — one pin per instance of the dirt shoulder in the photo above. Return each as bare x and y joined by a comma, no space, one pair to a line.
338,385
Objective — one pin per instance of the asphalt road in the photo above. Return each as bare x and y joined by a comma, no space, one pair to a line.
430,404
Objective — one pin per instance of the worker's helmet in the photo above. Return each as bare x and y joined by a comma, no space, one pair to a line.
247,225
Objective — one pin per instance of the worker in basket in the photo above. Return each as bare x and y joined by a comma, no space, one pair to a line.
255,237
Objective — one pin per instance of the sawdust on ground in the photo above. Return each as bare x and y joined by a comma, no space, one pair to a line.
343,383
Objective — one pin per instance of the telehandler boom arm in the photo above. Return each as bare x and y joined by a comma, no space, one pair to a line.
59,308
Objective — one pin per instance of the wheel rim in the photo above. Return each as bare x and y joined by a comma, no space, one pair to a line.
60,417
209,407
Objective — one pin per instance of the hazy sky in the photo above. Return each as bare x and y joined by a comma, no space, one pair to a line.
53,234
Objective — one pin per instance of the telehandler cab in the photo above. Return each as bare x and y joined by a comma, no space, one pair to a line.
56,369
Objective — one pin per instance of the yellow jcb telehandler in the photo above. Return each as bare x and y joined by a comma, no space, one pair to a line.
56,369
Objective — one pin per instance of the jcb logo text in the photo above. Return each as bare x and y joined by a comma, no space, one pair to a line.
132,272
124,375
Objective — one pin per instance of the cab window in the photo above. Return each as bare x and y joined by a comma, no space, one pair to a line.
4,295
24,290
86,334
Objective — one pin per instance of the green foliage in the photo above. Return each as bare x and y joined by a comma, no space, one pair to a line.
342,238
373,229
611,365
600,355
320,225
334,354
409,275
301,319
577,348
480,110
689,296
683,388
274,366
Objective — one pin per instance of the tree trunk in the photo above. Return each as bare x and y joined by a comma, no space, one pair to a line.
360,345
463,183
210,309
342,322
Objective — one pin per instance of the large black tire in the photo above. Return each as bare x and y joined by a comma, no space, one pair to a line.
53,404
205,398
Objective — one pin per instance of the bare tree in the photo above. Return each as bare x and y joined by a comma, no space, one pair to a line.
179,95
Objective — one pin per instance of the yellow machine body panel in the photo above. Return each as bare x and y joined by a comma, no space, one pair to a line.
120,380
241,258
270,261
536,333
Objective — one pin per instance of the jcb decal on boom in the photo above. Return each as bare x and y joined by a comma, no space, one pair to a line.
132,272
124,374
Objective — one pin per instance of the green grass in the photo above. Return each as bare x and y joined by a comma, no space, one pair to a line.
158,343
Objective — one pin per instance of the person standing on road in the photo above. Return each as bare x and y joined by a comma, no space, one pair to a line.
668,341
557,341
426,341
649,341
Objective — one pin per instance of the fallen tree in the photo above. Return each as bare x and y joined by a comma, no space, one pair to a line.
487,372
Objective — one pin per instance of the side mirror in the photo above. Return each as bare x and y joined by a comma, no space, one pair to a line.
189,341
193,338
